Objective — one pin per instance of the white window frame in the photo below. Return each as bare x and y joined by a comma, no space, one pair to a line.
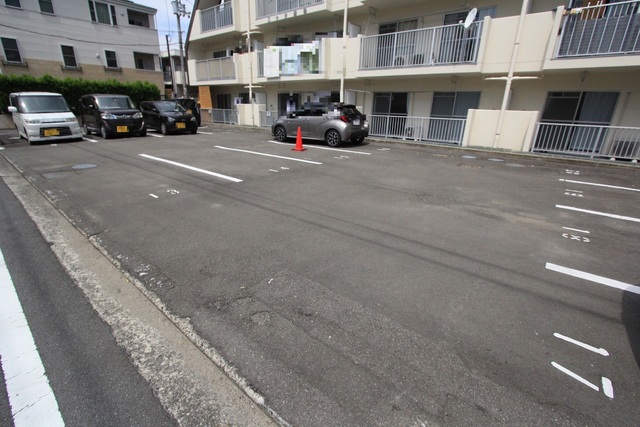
4,51
65,56
106,59
113,21
47,2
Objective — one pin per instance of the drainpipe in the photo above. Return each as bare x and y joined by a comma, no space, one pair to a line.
344,49
512,66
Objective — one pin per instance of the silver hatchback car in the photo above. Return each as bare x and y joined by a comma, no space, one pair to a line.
333,124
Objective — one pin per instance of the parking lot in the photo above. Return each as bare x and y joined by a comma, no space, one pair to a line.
376,284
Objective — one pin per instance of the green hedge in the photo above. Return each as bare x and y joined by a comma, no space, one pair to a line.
73,89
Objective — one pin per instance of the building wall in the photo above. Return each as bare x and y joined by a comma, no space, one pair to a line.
41,35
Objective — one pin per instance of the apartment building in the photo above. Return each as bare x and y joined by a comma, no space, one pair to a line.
175,80
556,76
88,39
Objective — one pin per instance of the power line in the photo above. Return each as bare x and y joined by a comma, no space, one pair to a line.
57,36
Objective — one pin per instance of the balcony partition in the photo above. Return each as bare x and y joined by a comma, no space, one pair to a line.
266,8
216,17
449,44
603,29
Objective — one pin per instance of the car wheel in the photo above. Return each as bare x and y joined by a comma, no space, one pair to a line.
280,133
357,139
163,129
332,138
104,133
85,129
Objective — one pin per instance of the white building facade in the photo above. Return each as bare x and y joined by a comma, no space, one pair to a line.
88,39
557,76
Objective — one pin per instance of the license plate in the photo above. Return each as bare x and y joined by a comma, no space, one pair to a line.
51,132
120,129
180,125
356,122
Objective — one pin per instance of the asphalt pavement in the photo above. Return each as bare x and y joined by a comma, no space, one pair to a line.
376,284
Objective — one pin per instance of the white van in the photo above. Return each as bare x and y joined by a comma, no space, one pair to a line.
43,117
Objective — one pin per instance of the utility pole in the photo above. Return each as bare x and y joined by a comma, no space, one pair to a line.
180,10
171,69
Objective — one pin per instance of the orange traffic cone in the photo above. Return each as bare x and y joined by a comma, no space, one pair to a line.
298,141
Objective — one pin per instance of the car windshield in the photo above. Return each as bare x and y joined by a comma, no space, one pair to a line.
170,107
43,104
114,102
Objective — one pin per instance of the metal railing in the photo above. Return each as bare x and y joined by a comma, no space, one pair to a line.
588,140
215,69
222,115
449,44
267,118
272,7
216,17
422,129
600,30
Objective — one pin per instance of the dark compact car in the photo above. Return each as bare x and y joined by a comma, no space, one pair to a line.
168,117
191,106
333,124
111,115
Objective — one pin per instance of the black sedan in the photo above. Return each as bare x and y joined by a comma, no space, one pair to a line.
168,117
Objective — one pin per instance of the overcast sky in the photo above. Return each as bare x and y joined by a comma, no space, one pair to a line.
167,21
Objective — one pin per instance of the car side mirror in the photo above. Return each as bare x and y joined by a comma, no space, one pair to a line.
12,109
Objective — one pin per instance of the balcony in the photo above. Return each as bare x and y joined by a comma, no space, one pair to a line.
445,45
266,8
215,69
608,29
216,17
295,60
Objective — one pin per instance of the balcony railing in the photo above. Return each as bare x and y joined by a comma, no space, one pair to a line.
272,7
588,140
601,30
215,69
422,129
449,44
216,17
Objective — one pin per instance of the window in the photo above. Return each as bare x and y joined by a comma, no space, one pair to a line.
138,18
102,13
46,6
11,51
144,61
69,57
112,61
14,3
454,104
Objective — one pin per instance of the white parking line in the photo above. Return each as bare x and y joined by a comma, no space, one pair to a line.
600,351
593,278
600,185
89,139
156,135
269,155
625,218
325,148
30,396
171,162
575,376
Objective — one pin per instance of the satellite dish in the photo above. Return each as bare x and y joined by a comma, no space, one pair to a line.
470,18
